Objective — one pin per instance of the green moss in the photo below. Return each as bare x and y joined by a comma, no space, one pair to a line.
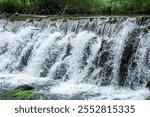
147,98
65,18
32,18
20,18
17,94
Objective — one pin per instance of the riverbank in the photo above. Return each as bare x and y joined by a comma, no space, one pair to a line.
70,7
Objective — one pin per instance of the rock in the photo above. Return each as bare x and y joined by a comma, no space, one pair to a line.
146,29
25,58
16,14
102,60
130,49
60,72
17,94
24,87
148,85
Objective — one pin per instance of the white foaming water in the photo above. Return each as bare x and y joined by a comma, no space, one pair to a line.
91,58
105,92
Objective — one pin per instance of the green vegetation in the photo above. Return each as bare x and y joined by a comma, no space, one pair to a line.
20,93
146,29
17,95
147,97
69,7
21,18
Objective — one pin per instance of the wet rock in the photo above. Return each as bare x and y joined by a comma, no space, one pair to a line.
24,87
146,29
25,58
147,58
3,49
48,63
16,94
102,61
16,14
60,72
148,85
68,51
102,55
87,52
22,92
142,20
130,48
112,20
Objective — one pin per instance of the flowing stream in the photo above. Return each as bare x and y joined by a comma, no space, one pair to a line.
83,58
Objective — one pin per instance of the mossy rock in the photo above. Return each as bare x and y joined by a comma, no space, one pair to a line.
146,29
20,18
147,98
19,93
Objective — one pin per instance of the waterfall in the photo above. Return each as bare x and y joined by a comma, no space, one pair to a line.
82,58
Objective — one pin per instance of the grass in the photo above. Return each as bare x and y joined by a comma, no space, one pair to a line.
17,94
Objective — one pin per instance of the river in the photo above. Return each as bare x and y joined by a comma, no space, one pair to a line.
77,58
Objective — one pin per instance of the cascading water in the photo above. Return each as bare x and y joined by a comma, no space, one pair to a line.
87,58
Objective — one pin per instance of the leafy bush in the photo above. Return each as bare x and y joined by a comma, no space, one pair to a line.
67,7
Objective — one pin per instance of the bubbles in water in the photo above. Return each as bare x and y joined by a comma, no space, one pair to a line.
91,58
